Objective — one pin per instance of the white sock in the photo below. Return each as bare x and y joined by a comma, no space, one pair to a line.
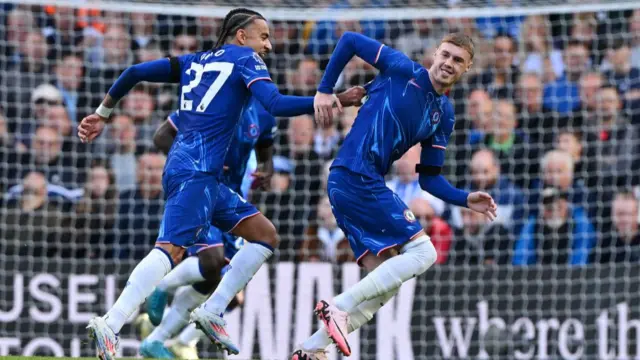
360,316
241,269
186,273
186,299
190,335
415,258
142,281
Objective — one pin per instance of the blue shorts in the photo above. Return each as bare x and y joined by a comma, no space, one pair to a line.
195,202
373,217
216,237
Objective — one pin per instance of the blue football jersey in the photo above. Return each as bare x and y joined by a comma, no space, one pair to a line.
213,96
256,126
400,111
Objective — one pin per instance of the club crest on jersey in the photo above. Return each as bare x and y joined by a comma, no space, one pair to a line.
408,214
253,131
435,118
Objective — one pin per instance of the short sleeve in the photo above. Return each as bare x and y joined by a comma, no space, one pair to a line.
174,119
434,147
253,69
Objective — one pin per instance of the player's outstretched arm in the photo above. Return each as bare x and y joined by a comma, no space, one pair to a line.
163,70
372,51
439,187
286,105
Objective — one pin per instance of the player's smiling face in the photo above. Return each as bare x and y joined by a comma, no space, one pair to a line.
256,36
449,64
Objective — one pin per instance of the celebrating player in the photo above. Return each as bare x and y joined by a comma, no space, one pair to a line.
256,130
406,105
216,85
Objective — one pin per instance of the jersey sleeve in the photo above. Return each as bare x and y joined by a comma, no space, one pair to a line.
174,119
434,147
253,68
267,125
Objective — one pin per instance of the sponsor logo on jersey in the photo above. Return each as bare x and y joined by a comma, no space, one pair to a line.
258,58
408,214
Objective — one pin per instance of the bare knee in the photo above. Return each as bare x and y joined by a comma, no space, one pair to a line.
370,261
258,228
176,253
211,263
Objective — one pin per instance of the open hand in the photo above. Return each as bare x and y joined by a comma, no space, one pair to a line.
323,105
90,127
483,203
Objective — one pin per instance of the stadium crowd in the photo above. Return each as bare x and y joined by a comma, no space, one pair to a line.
548,122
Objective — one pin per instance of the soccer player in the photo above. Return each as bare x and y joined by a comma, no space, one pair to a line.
406,105
256,131
216,86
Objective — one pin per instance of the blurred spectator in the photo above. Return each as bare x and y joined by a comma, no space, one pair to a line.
64,35
286,45
325,241
539,55
207,29
590,83
571,143
69,80
114,57
43,98
613,146
304,78
282,174
92,221
30,222
326,140
558,171
140,210
405,181
517,158
422,35
123,151
480,241
561,95
500,78
561,234
140,106
47,157
357,72
471,131
634,31
184,44
143,27
436,228
19,24
493,25
151,51
21,78
10,154
486,176
479,113
624,76
622,243
536,123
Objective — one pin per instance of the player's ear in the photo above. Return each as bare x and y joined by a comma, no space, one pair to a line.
241,36
469,65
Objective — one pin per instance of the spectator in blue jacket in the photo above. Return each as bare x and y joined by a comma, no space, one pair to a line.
561,234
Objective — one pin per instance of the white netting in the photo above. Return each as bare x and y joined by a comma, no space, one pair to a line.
554,93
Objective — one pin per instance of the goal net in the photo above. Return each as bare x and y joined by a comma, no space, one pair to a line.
547,122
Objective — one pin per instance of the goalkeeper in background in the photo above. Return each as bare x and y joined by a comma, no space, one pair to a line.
406,105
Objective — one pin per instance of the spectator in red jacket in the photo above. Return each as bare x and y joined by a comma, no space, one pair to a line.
437,229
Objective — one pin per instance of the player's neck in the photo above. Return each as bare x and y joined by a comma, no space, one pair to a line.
437,86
